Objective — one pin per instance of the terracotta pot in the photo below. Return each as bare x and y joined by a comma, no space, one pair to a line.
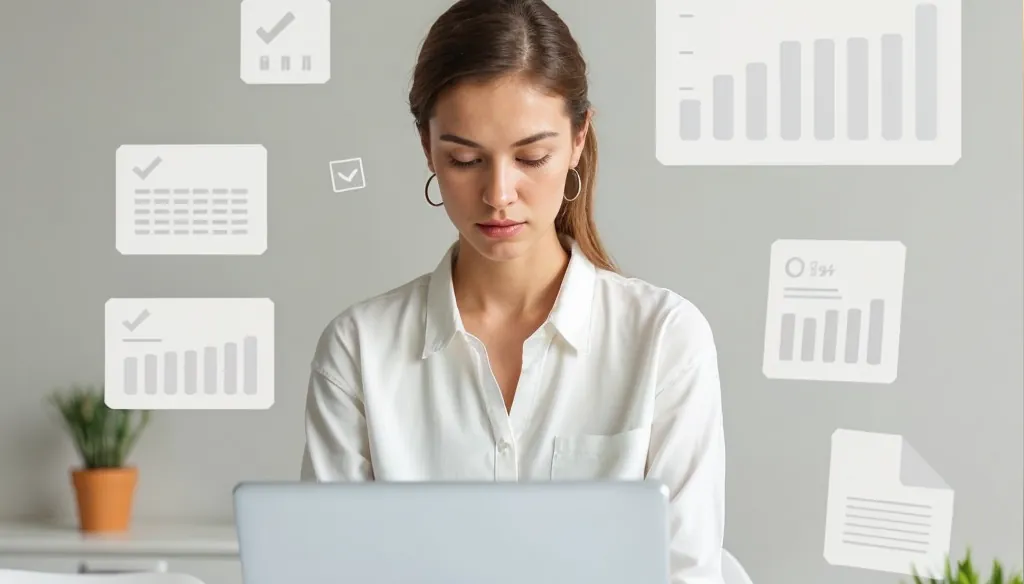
105,497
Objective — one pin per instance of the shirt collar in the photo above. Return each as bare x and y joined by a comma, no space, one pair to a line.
570,315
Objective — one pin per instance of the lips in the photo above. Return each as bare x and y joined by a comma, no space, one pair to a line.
506,223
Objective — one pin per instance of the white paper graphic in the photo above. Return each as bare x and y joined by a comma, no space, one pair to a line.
188,199
285,42
888,510
834,310
189,353
794,82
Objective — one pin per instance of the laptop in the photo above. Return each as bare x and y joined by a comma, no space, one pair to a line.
613,532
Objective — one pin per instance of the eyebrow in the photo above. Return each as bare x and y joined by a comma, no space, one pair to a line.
528,140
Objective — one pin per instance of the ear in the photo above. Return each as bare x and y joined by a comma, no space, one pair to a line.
425,144
580,139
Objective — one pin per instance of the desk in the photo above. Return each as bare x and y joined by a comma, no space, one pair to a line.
208,552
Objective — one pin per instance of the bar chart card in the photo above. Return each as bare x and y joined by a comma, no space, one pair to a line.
808,82
189,353
834,310
285,42
186,199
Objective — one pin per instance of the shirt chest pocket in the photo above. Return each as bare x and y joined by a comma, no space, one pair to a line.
620,456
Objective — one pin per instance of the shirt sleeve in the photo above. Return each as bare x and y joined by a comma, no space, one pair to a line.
337,442
687,451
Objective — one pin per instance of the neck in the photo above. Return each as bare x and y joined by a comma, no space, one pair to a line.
526,285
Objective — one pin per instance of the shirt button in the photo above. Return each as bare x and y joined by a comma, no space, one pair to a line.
504,446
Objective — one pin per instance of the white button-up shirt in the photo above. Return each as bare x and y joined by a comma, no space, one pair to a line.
620,382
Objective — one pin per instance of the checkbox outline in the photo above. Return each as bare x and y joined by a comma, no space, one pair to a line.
335,165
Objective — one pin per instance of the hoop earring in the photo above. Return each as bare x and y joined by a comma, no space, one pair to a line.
426,192
579,186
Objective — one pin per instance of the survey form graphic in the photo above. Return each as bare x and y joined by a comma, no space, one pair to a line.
285,42
808,82
191,199
834,310
887,510
189,353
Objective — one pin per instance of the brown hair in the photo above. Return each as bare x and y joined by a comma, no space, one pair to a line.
485,39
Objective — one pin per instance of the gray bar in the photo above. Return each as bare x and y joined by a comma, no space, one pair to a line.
131,376
807,342
876,319
787,336
307,63
689,119
828,351
230,368
757,101
191,372
722,88
170,373
892,86
286,63
857,88
264,63
150,365
852,335
926,67
824,89
789,90
210,370
249,361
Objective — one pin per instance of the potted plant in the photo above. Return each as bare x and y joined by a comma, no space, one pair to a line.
104,485
964,573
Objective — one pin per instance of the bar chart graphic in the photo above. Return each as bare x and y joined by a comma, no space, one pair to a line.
808,82
191,199
285,42
189,353
834,310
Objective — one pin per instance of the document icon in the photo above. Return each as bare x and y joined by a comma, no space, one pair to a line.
189,353
202,199
887,509
834,310
286,41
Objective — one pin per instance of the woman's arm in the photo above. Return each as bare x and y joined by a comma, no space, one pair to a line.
337,442
687,450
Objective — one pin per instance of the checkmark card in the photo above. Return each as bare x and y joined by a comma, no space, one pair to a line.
347,175
131,325
144,173
275,31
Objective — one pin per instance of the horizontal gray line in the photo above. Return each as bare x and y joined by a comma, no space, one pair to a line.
799,289
887,520
893,529
161,201
887,502
239,211
888,511
872,536
142,340
812,297
885,547
193,191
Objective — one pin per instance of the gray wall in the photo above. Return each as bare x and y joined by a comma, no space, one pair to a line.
81,78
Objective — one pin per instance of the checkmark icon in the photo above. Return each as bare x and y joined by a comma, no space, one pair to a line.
143,173
134,324
269,35
348,177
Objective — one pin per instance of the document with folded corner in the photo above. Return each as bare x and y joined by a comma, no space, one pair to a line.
887,509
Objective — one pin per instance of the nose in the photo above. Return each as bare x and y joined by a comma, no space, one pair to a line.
500,190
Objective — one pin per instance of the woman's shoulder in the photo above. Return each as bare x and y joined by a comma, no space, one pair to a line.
655,308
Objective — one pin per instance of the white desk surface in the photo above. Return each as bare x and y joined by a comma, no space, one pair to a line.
143,539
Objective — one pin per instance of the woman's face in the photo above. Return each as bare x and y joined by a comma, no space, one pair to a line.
502,151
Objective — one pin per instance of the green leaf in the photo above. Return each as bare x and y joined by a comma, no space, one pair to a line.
103,437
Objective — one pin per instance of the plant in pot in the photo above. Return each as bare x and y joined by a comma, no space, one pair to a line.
964,573
104,485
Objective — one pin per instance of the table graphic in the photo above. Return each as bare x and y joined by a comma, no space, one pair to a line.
191,199
808,82
887,509
189,353
285,42
834,310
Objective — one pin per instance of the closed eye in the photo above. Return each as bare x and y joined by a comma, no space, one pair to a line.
527,161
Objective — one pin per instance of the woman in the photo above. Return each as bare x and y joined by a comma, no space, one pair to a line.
524,355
